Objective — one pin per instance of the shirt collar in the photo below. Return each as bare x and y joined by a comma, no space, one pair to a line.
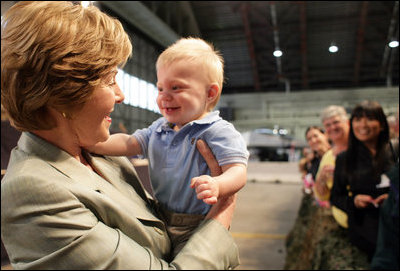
208,119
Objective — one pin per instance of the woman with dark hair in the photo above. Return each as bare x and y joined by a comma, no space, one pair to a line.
319,144
359,188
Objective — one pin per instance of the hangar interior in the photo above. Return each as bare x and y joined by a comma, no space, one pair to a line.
262,90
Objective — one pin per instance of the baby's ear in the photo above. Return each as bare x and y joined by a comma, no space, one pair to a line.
213,91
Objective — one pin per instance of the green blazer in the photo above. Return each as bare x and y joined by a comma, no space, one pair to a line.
58,214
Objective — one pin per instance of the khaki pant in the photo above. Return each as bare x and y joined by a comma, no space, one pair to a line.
180,227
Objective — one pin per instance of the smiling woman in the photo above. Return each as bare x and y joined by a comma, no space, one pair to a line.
358,187
91,123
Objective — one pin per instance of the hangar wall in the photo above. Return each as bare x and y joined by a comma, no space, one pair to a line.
295,111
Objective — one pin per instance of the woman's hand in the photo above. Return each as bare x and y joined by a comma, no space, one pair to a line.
322,179
207,154
362,201
379,200
223,210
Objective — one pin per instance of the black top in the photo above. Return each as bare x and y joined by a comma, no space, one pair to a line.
314,166
387,256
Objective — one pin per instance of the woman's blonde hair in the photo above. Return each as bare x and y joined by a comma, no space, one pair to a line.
333,111
200,52
54,54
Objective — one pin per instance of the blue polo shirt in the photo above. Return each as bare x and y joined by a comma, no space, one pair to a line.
174,159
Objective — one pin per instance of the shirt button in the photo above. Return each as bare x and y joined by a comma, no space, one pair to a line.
159,231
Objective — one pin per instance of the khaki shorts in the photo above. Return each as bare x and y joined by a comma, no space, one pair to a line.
180,227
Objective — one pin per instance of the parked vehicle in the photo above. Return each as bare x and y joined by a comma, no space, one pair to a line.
275,144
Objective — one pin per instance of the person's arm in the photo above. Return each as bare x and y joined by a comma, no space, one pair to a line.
52,222
223,210
118,145
211,189
321,189
48,227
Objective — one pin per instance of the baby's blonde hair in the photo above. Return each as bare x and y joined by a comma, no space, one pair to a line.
200,52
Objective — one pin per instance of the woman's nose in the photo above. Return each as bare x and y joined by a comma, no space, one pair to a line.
119,95
363,121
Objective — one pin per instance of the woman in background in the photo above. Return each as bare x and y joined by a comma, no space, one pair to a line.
358,187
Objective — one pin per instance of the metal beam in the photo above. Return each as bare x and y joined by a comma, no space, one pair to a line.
191,23
244,12
281,77
360,42
386,67
144,19
303,44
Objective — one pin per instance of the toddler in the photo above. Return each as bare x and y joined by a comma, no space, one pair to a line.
189,82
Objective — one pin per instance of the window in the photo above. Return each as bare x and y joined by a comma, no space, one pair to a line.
137,91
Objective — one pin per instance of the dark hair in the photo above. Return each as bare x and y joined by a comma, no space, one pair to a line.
314,127
371,110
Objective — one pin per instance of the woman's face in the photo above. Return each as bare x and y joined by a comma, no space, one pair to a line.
336,128
316,139
91,124
366,130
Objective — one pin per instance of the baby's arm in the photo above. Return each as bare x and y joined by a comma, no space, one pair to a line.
118,145
209,189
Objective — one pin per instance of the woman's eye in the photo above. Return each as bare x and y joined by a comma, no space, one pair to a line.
112,82
175,87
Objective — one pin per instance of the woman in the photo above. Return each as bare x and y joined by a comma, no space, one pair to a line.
336,123
358,188
319,145
62,207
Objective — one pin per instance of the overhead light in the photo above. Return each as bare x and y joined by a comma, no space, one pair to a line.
393,44
333,48
277,53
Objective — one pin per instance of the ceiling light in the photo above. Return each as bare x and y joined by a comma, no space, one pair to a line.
393,44
333,48
278,53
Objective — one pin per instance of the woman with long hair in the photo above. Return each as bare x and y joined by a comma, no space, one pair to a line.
359,188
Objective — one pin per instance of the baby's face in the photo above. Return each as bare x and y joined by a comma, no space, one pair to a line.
182,92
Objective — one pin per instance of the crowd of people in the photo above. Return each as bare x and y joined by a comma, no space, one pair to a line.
351,169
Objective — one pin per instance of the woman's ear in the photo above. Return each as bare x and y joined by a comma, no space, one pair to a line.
212,92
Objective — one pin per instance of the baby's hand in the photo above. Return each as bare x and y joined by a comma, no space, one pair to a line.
207,188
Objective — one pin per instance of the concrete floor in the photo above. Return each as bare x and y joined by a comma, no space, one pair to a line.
266,211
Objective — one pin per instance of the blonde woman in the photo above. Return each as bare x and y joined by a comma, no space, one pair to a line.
336,124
